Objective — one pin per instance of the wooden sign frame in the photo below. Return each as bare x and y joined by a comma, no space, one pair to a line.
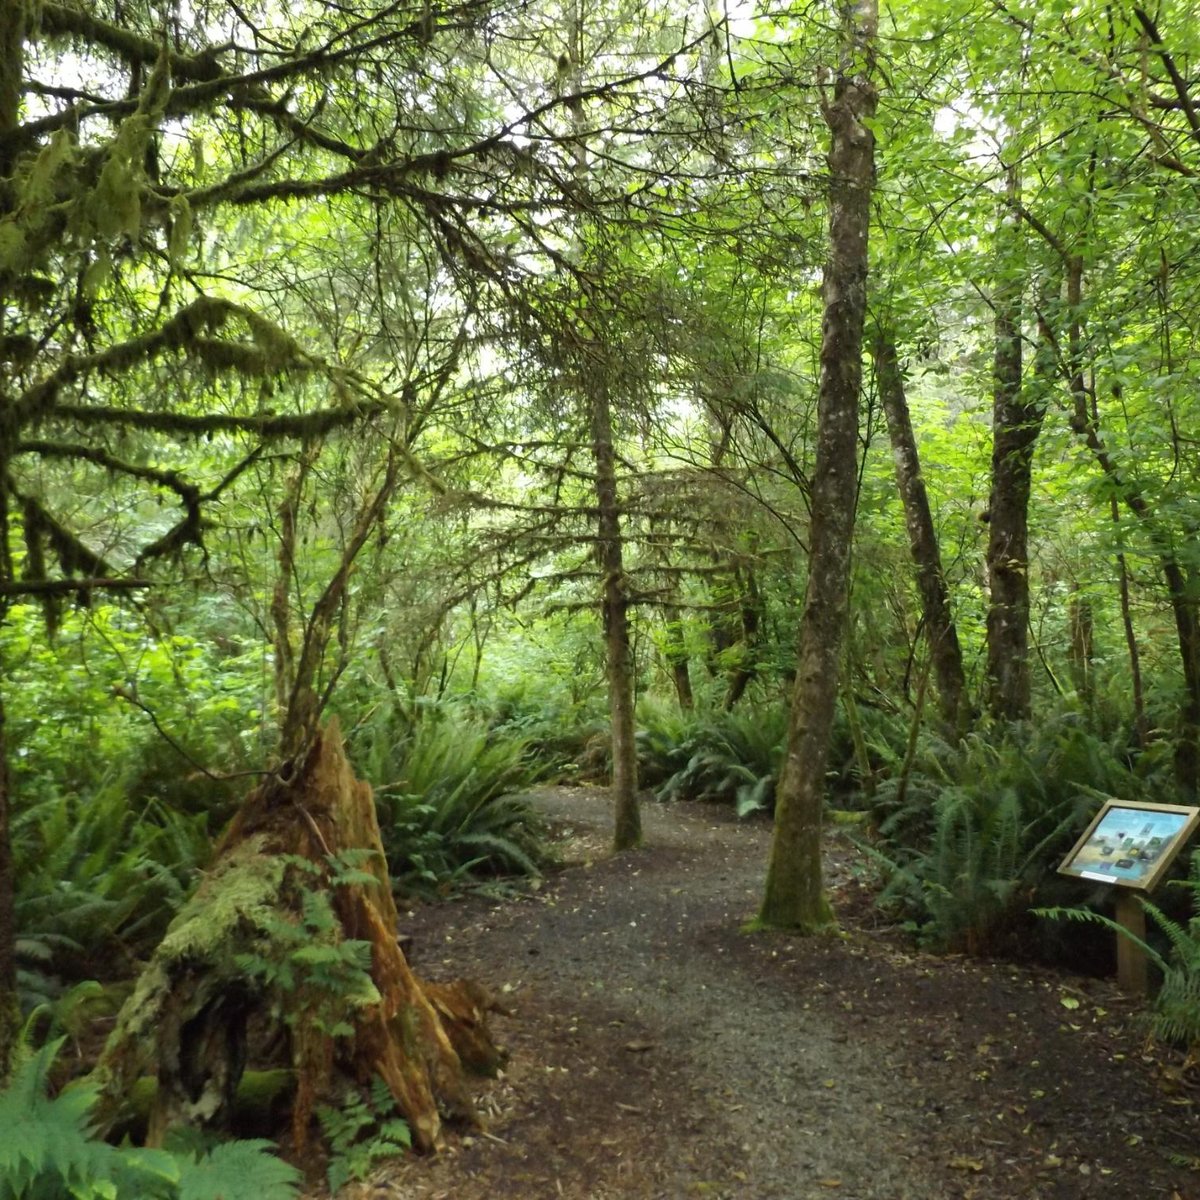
1130,844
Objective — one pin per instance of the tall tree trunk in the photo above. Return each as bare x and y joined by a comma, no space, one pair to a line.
13,17
794,896
682,676
1181,584
944,650
1016,422
614,608
304,703
1140,726
1083,647
614,597
750,616
10,1016
676,656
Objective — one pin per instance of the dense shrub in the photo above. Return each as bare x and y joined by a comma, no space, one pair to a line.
97,880
972,835
730,758
447,793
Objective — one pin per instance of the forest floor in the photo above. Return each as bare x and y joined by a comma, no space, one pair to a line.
656,1051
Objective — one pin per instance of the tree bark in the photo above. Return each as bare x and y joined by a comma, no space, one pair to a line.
13,24
1016,422
614,609
1140,725
10,1015
750,615
676,656
1083,647
614,596
794,896
12,57
944,649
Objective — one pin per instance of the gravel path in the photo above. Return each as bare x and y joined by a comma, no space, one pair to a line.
658,1052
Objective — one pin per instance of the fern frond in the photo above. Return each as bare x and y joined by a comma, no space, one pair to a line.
245,1170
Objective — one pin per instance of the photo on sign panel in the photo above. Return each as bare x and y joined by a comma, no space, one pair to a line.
1130,844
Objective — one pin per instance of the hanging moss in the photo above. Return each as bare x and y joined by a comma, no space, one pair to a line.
14,249
179,233
278,349
40,185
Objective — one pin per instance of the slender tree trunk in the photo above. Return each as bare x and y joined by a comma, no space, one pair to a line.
304,705
1083,649
614,608
862,756
614,598
794,896
281,607
682,676
1140,727
1016,422
10,1016
945,652
1181,586
13,17
677,659
743,674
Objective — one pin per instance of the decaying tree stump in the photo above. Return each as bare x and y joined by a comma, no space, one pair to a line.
298,878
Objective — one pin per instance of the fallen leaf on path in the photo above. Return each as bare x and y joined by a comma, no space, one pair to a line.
639,1047
966,1164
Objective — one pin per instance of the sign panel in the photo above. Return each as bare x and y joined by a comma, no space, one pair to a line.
1131,844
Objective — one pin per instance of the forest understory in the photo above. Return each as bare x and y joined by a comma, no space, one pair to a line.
784,414
656,1051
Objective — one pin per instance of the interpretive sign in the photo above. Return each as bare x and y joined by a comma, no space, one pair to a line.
1131,844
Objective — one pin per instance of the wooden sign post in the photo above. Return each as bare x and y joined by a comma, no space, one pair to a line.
1132,975
1130,845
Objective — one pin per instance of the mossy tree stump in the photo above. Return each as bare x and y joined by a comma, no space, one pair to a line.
279,929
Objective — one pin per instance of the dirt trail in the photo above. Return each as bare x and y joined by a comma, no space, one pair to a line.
658,1052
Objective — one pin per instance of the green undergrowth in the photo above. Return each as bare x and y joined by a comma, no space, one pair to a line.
49,1152
97,880
970,836
447,791
727,758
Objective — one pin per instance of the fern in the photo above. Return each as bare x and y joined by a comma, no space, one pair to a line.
974,833
361,1132
237,1169
730,758
47,1152
450,813
97,879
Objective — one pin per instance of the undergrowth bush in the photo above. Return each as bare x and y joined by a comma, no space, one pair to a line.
48,1152
971,837
731,758
97,881
448,799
